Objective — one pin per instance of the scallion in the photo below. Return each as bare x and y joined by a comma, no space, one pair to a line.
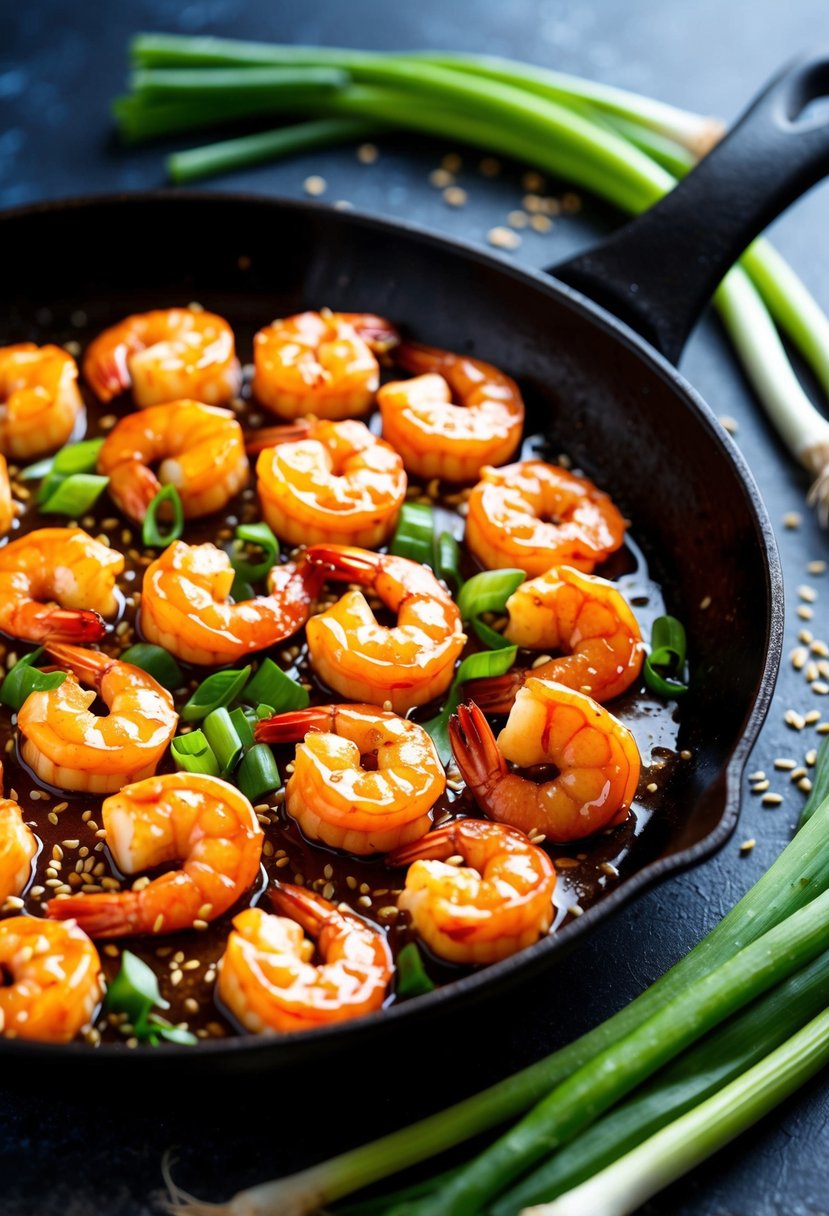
74,495
271,686
664,666
488,592
412,979
223,738
152,534
194,754
414,535
242,725
258,775
260,536
157,662
820,784
447,560
483,663
135,992
217,690
24,678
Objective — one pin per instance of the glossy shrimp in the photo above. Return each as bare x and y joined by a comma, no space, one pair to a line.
582,615
498,902
201,449
329,481
201,822
320,363
534,515
267,979
169,354
52,980
18,847
406,665
596,757
39,399
455,416
69,746
338,801
7,511
57,583
186,605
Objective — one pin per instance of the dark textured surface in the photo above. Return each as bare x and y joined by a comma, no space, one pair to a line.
86,1146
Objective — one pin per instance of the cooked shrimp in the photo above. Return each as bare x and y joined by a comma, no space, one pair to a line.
202,822
335,799
57,583
39,399
583,615
202,454
267,979
534,515
185,605
18,847
455,416
72,748
6,501
329,481
54,980
597,759
499,902
320,363
407,665
168,354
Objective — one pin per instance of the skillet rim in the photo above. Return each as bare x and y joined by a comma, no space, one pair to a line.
276,1050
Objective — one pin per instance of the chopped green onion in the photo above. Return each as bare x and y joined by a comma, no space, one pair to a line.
151,533
34,472
488,592
223,739
412,979
260,535
264,711
272,687
24,678
414,536
243,726
257,774
73,495
665,664
157,662
217,690
447,560
135,992
75,458
194,754
484,663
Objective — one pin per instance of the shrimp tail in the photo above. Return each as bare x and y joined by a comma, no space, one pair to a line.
420,359
273,436
345,562
496,694
377,333
476,751
301,905
292,726
108,376
41,624
436,845
89,666
111,914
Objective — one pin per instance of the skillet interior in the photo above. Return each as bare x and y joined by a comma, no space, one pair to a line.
621,413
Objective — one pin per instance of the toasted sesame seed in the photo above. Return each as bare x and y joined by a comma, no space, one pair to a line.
792,520
810,671
60,806
760,787
792,718
652,787
158,923
489,166
281,862
541,223
53,819
823,728
565,863
576,910
812,716
705,602
816,567
785,763
176,976
367,154
729,424
351,882
315,185
806,637
772,799
807,593
364,901
455,196
440,179
518,219
747,845
387,912
797,773
811,757
820,688
805,785
799,656
13,903
503,238
757,775
451,162
328,891
805,612
198,923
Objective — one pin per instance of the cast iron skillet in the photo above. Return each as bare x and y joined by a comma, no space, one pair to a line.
608,396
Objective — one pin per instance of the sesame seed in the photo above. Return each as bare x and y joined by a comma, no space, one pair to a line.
518,219
328,891
797,774
747,845
364,901
685,754
705,602
315,185
440,179
820,688
565,863
816,567
652,787
198,923
489,166
785,763
757,775
455,196
281,862
811,717
792,718
806,637
503,238
792,520
367,154
807,593
13,903
811,757
805,785
760,787
533,181
729,424
805,612
576,910
772,799
799,656
158,923
176,976
53,819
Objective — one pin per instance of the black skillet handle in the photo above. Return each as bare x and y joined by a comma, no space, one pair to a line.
659,271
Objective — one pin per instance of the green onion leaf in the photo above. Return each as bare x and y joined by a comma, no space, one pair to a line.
261,536
34,472
272,687
76,458
412,979
194,754
73,495
157,1027
414,536
257,774
157,662
152,535
223,739
488,592
483,663
24,678
489,636
265,711
217,690
243,726
134,991
447,560
665,665
820,783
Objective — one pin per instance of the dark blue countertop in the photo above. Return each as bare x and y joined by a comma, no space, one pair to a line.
80,1145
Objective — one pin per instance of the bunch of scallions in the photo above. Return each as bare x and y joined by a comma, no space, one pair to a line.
628,149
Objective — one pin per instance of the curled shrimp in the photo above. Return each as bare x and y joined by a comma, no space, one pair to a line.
583,615
406,665
7,511
329,481
57,583
320,363
498,902
39,399
168,354
72,748
337,801
54,982
202,454
203,823
186,605
18,847
534,515
597,759
267,979
441,437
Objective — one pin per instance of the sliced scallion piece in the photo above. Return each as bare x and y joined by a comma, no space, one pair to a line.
488,592
412,979
272,687
243,726
223,738
447,560
24,678
152,534
665,665
260,536
73,495
194,754
135,992
258,775
414,536
217,690
484,663
157,662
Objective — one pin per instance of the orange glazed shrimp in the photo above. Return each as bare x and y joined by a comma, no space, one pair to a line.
57,583
597,759
6,501
337,801
585,616
185,605
329,481
18,847
267,979
439,437
499,902
202,822
320,363
39,399
202,454
168,354
54,980
72,748
534,515
407,665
